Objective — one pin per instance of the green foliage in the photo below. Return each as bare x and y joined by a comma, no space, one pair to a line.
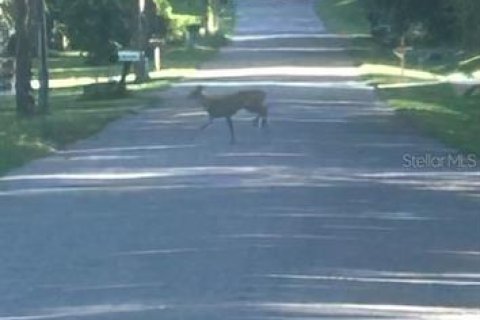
6,12
95,26
22,140
6,23
343,16
438,22
439,111
426,20
164,8
436,110
100,27
468,23
188,7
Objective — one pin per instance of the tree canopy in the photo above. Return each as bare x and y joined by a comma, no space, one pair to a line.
440,22
99,27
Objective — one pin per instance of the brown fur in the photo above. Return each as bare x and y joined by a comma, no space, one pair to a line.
225,106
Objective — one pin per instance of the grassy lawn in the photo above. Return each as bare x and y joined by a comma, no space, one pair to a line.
71,65
73,118
435,109
440,112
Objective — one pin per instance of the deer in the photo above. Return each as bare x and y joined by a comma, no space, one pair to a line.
225,106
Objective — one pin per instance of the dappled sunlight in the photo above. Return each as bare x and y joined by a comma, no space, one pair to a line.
335,120
96,158
138,174
125,149
28,192
435,180
389,70
87,311
288,49
189,114
312,211
189,251
351,227
462,82
172,73
166,252
367,311
384,277
278,71
262,155
364,217
156,123
460,253
355,85
105,287
320,102
243,176
460,77
409,84
284,236
266,310
275,36
78,81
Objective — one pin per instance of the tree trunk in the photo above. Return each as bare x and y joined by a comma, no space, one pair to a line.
41,23
212,16
125,71
23,75
141,73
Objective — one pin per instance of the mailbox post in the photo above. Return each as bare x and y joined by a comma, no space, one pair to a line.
157,52
401,53
141,70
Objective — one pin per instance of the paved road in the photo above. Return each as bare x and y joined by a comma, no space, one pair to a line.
316,219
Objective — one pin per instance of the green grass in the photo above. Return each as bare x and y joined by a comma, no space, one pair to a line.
436,110
70,119
73,118
348,17
440,112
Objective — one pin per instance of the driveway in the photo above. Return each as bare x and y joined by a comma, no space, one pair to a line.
324,216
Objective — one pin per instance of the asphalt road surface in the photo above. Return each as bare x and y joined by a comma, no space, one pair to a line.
323,216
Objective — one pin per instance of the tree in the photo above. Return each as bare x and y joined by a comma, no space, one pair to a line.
466,14
7,12
212,12
25,101
434,17
100,27
6,24
94,26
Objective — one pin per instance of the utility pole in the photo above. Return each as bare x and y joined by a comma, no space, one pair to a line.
141,73
43,96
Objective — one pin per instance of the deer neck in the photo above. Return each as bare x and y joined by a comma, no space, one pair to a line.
202,99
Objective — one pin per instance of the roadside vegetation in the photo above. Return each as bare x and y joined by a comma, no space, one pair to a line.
440,48
72,116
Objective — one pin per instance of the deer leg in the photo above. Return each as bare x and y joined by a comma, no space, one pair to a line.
203,127
232,132
256,121
206,125
264,122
